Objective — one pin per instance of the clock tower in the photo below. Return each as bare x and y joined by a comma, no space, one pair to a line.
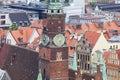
53,50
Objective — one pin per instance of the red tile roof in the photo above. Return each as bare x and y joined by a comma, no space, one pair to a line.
106,35
24,32
93,27
37,24
92,37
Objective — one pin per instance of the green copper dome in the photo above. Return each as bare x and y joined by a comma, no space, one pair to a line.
55,4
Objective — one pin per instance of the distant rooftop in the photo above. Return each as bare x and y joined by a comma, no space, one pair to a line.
7,10
33,6
85,18
111,7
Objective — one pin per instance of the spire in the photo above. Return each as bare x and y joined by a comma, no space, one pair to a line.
74,66
39,75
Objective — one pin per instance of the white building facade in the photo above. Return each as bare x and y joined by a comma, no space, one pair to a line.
77,7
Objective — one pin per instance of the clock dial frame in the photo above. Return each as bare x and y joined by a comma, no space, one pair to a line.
59,40
45,40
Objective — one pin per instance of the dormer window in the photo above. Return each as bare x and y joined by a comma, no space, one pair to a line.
21,23
78,26
12,58
26,23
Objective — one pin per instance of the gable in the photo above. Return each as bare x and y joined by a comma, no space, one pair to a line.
33,36
10,38
101,43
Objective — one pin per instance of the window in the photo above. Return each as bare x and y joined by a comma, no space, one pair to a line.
3,17
85,66
12,58
77,56
20,23
52,0
88,58
88,66
8,41
52,11
113,62
58,11
78,63
44,55
83,42
116,46
3,22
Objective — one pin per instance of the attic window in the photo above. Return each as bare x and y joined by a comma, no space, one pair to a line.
20,23
72,47
12,58
78,26
20,39
26,23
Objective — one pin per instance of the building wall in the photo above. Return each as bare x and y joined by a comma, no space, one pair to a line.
6,19
83,55
44,66
59,70
76,8
54,66
100,44
103,44
112,66
20,63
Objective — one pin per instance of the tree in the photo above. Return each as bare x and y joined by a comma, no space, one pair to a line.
13,27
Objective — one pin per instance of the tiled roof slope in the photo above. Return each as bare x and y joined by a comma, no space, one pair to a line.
92,37
24,32
19,17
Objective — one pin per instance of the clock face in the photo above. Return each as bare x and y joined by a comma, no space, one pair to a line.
45,40
59,40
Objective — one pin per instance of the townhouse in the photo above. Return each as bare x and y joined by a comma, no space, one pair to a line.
112,58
